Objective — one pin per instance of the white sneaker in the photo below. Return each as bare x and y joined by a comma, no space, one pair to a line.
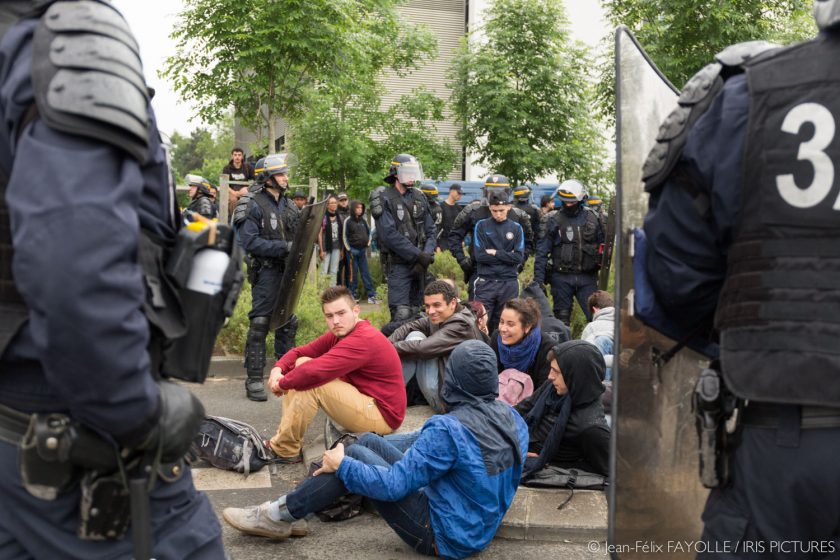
254,520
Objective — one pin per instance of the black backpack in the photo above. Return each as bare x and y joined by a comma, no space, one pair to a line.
231,445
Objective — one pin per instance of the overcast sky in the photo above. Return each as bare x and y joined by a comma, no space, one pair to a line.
153,20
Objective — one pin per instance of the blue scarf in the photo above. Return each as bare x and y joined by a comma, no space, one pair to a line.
522,354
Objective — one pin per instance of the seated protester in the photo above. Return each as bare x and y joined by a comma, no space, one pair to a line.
565,417
549,324
480,319
601,331
519,342
447,495
424,344
352,372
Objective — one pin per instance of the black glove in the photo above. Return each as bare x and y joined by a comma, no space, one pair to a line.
425,259
418,270
540,284
181,414
467,267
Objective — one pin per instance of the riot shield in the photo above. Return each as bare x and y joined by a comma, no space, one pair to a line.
297,263
656,495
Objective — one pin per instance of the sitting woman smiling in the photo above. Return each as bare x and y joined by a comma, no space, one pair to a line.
519,343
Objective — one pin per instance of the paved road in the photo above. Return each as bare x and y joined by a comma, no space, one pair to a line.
362,537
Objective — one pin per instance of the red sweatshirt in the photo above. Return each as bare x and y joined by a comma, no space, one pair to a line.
364,358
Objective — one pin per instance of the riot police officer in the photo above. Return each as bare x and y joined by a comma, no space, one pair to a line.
202,200
573,238
81,284
429,189
522,200
406,233
479,210
744,226
262,219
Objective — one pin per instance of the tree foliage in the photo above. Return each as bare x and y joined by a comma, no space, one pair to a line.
683,36
265,58
318,64
522,90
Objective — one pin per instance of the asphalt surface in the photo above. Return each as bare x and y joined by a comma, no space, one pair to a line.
365,536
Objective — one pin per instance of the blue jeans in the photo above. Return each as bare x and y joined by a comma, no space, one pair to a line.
427,375
408,517
605,346
360,268
329,265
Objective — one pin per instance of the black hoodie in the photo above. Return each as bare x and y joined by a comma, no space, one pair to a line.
356,229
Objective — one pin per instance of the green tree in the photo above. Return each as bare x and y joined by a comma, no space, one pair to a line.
522,90
683,36
265,59
346,137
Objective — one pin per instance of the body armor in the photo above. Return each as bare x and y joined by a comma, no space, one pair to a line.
408,218
576,248
778,308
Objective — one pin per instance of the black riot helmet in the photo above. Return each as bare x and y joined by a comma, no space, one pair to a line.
202,185
269,166
522,193
406,169
496,184
430,190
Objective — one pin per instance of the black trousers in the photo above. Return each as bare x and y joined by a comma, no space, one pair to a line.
783,500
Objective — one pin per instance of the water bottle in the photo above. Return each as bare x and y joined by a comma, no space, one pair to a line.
208,269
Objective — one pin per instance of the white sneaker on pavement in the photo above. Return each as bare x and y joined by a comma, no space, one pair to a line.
255,520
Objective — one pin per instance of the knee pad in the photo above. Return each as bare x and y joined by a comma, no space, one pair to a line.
564,315
403,313
284,337
255,345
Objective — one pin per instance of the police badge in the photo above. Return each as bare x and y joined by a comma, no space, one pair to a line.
274,221
400,212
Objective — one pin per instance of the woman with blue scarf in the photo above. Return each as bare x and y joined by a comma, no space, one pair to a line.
519,343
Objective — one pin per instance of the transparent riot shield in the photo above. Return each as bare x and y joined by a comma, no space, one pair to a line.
656,495
297,263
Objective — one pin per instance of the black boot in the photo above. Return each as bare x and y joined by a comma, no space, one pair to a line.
255,359
284,337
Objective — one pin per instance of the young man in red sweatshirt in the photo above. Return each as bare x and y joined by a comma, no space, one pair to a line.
352,372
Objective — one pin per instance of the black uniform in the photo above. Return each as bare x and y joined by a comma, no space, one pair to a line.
746,227
203,206
448,214
84,188
406,229
266,229
532,211
465,224
574,244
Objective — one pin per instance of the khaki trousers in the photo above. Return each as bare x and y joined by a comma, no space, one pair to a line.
342,402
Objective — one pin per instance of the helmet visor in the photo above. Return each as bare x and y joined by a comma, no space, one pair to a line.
410,172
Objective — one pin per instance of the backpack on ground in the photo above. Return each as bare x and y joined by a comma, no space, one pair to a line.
514,386
231,445
574,479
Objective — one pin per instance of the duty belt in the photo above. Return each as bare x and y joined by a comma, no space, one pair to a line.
766,415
